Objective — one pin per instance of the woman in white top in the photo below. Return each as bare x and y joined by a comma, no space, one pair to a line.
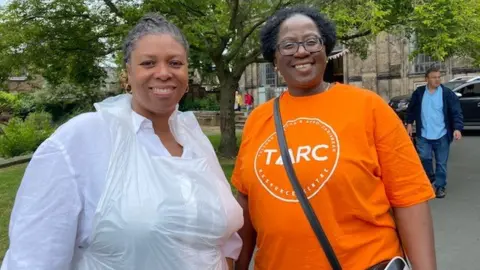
134,185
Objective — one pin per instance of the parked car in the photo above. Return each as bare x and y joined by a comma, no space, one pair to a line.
466,78
468,91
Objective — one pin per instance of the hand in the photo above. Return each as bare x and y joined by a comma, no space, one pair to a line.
457,135
410,130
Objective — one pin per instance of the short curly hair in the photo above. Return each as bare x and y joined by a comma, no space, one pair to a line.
269,32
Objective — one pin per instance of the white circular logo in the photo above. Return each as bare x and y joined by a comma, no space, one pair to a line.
314,150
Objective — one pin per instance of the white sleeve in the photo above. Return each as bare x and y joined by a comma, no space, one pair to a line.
44,219
232,247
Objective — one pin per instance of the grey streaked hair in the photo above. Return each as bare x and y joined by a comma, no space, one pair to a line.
151,23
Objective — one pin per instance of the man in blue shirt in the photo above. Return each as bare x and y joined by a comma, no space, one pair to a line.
438,116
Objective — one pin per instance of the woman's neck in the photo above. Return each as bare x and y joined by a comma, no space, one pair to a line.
160,124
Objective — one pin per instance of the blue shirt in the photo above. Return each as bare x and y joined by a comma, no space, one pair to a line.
433,119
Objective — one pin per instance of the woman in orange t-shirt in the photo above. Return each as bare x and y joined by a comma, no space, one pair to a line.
351,154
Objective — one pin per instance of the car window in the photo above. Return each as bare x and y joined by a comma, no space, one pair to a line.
472,90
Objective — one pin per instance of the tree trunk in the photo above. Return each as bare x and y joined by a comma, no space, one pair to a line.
228,142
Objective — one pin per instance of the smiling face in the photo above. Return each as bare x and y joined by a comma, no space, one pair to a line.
303,71
158,74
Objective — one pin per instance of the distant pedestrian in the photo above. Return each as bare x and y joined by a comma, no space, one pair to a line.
439,119
238,101
248,102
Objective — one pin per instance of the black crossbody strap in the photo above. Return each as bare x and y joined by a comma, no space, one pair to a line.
302,198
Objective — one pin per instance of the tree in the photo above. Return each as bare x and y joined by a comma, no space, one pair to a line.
456,33
69,38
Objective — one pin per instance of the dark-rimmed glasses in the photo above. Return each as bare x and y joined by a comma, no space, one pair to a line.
312,45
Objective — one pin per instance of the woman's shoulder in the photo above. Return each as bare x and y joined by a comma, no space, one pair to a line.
83,128
260,114
357,94
355,90
263,109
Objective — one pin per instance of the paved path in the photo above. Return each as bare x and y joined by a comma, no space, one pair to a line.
457,216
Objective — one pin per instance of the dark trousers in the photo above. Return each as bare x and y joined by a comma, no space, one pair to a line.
439,148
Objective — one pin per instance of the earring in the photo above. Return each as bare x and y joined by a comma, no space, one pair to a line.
188,88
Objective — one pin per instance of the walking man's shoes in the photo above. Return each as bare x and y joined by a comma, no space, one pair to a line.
440,192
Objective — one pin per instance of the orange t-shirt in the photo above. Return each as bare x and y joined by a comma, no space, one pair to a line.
354,159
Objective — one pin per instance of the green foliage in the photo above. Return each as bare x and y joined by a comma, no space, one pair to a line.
22,137
59,39
25,105
62,101
19,105
69,38
444,28
208,103
8,102
440,28
66,100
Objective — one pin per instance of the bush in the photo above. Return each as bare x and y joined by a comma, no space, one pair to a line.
19,105
23,137
66,100
25,105
8,102
208,103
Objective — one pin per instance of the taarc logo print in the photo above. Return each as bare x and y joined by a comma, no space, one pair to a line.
314,150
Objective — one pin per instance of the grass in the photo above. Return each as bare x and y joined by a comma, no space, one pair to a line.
11,177
9,181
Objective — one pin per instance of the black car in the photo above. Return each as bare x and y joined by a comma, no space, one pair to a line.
468,92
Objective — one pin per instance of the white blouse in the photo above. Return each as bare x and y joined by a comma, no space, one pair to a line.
58,196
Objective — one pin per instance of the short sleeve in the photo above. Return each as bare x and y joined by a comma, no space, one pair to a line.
43,224
402,173
238,180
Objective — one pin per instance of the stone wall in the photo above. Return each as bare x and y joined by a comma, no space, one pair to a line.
249,79
208,118
212,118
383,69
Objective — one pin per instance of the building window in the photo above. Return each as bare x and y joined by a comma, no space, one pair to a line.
422,62
270,74
267,74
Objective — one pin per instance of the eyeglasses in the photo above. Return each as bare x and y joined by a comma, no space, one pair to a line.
312,45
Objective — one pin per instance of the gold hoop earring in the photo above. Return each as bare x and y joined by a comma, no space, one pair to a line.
128,88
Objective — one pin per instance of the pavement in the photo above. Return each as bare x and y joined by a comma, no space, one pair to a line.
457,216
